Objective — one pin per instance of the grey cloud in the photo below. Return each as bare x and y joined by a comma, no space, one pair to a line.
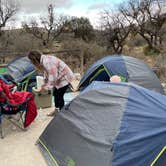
37,6
97,6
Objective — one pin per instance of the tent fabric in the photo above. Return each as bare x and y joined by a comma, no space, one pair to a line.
133,69
145,131
108,124
142,75
106,60
19,68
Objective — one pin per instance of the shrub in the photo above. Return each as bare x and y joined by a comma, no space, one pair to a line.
135,41
151,51
160,67
91,51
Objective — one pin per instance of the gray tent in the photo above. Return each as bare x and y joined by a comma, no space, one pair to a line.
108,124
130,68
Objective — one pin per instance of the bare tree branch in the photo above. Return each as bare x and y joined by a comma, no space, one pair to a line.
147,18
7,10
115,30
48,28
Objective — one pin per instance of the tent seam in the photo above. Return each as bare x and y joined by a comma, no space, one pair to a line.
154,161
49,153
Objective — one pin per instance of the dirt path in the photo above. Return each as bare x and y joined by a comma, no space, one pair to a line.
18,147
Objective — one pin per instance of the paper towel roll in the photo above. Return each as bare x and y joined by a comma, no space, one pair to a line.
39,81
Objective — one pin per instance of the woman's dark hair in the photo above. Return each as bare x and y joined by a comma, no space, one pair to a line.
35,57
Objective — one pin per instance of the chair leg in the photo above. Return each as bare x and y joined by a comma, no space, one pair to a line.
22,120
2,135
1,131
18,122
21,117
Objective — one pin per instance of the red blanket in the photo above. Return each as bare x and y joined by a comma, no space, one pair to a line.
19,98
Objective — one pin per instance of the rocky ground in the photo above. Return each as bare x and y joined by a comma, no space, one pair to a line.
18,147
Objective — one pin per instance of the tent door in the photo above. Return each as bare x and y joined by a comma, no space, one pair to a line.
100,74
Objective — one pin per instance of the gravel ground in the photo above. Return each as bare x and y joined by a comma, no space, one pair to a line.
18,147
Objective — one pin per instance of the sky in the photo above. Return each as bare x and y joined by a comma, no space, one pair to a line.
86,8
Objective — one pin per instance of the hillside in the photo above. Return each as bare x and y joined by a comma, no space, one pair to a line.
17,42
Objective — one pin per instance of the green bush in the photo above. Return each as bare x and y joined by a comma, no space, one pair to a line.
160,67
91,51
135,41
151,51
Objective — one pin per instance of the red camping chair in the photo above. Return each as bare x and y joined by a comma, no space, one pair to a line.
12,103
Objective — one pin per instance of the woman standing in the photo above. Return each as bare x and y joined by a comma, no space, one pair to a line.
57,75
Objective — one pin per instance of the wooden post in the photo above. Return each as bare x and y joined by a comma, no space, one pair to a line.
82,62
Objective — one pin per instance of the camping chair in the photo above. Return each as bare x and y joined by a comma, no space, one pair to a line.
24,84
27,82
21,72
7,110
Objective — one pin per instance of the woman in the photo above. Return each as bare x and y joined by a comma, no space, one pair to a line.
57,75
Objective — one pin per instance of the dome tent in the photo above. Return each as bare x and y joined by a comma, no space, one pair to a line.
108,124
130,68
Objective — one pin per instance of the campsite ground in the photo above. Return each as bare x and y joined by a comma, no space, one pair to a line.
18,147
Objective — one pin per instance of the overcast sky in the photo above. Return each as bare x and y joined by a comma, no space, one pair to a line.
86,8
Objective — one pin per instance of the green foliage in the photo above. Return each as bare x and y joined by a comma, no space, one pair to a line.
91,51
18,41
160,67
82,28
135,41
151,51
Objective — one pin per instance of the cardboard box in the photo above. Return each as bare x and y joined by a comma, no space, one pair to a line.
43,99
